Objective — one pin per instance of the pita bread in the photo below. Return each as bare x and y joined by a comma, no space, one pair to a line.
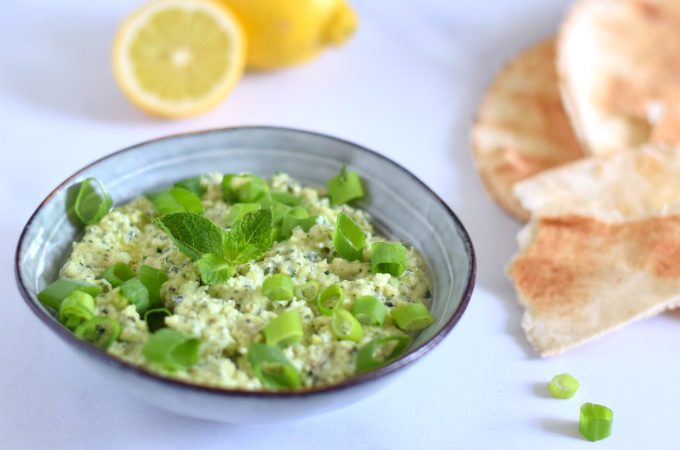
634,183
521,128
618,63
579,277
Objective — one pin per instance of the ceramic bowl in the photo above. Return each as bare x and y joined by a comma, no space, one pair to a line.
400,204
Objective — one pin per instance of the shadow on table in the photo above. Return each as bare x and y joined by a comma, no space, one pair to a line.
567,428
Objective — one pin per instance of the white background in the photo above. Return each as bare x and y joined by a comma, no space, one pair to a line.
407,85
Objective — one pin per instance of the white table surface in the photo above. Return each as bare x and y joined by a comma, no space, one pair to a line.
407,86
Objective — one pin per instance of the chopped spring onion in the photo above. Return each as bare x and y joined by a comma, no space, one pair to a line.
92,202
595,421
380,351
171,350
244,188
345,187
238,210
155,318
187,200
369,310
175,200
563,386
289,223
345,326
76,308
136,293
388,258
215,269
278,287
193,185
271,366
152,279
279,210
333,296
348,238
284,330
308,291
118,273
286,198
55,292
101,331
412,316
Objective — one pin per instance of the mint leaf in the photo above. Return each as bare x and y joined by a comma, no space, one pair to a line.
193,234
215,269
249,238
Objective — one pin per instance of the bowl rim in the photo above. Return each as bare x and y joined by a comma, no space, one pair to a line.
356,380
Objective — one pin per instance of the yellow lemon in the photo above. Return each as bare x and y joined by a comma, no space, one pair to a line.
179,58
285,32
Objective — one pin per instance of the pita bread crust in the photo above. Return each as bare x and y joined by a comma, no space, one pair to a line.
617,62
579,277
521,127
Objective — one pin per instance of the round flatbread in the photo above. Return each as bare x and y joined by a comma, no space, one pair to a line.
521,127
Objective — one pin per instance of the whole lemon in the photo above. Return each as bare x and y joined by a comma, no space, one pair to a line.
286,32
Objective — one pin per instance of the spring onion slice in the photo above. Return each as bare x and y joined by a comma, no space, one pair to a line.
333,295
171,350
388,258
348,238
278,287
152,279
308,291
345,326
55,292
271,367
289,223
101,331
595,421
238,210
155,318
187,200
118,273
563,386
345,187
375,353
284,330
369,310
286,198
279,210
92,202
175,200
244,188
412,316
76,308
136,293
193,185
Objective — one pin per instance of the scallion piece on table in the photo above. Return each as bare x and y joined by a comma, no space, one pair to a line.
244,188
101,331
155,318
388,258
563,386
345,326
136,293
380,351
369,310
595,422
118,273
348,238
330,300
286,198
192,184
238,210
55,292
152,279
345,187
92,202
412,316
307,291
75,309
271,367
284,330
278,287
175,200
172,350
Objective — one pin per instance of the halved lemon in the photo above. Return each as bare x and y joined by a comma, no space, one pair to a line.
179,58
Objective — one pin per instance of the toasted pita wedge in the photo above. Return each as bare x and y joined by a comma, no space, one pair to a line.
580,277
618,63
636,182
521,127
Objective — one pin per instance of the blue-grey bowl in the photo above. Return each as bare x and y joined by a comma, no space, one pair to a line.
399,202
